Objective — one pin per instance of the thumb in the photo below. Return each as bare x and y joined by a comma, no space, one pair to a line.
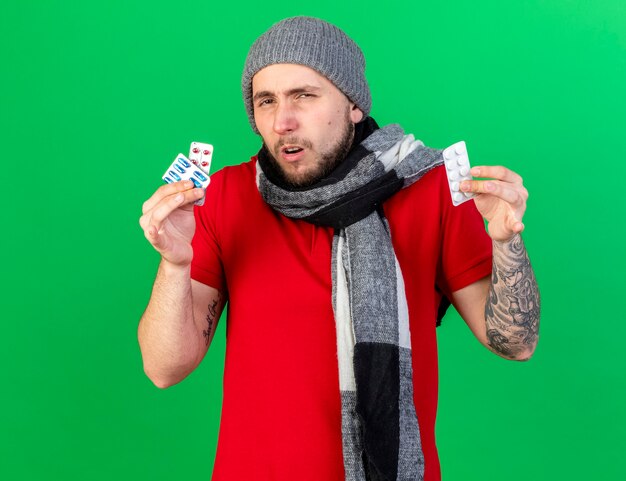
158,241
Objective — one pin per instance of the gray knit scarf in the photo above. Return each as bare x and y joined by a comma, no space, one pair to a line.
381,439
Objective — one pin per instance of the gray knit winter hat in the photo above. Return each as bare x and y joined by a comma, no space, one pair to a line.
316,44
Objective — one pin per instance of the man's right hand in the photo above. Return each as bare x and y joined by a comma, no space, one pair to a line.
168,222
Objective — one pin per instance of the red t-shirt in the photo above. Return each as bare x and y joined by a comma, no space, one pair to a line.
281,413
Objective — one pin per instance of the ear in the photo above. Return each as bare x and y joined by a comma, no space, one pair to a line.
356,114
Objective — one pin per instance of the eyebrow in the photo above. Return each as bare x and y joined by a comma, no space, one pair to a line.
290,92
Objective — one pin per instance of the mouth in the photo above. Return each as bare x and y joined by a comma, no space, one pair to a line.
291,153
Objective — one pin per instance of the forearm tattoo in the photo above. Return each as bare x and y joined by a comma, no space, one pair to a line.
213,313
512,308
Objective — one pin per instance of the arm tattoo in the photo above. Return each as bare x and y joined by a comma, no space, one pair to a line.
214,310
512,308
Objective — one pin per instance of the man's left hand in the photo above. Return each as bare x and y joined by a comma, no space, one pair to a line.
501,199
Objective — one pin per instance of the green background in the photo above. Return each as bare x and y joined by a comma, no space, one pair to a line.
97,98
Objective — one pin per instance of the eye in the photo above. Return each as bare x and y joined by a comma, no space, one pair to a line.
264,102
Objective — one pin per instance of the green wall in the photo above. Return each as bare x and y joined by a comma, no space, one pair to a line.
97,97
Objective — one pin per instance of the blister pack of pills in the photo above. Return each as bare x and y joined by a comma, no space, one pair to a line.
200,154
195,168
457,169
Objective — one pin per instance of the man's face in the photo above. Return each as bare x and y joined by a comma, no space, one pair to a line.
307,123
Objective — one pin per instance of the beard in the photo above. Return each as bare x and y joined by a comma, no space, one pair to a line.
326,162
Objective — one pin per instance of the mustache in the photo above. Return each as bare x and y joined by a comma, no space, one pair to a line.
292,141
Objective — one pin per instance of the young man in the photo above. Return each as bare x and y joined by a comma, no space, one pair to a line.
337,248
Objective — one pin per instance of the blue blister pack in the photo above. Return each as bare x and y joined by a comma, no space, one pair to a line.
183,169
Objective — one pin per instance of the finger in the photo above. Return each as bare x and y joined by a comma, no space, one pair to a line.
164,191
152,234
190,196
497,172
508,192
162,210
507,231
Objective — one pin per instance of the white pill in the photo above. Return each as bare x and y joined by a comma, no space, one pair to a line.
468,194
458,197
455,186
464,170
453,175
460,149
451,165
448,154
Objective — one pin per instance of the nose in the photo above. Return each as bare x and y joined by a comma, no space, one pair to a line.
285,120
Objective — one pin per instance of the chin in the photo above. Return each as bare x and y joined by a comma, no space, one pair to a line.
302,180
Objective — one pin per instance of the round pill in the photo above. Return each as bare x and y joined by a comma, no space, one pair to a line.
458,197
463,160
448,154
464,170
206,152
451,165
468,194
195,150
204,163
460,149
454,175
455,186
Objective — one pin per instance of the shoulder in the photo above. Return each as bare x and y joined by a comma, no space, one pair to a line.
232,181
231,195
428,193
243,172
432,183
